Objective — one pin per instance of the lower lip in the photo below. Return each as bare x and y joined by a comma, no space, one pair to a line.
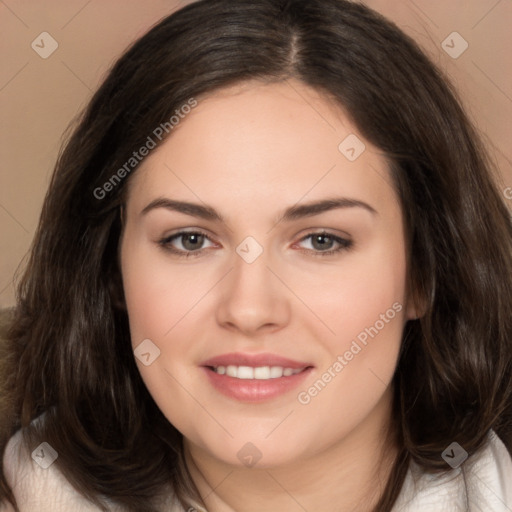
255,390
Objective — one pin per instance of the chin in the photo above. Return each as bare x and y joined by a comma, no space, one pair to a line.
254,451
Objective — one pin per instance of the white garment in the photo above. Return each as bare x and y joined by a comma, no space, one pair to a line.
488,476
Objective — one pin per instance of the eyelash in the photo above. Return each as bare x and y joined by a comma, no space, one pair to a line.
344,244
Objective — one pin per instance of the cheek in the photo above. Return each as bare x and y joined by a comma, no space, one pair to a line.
353,296
364,307
157,297
160,305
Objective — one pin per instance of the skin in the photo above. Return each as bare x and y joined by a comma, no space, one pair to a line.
250,152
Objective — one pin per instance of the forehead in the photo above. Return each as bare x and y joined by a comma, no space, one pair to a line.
255,141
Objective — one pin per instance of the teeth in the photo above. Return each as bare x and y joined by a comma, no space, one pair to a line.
231,371
259,373
276,372
245,372
262,372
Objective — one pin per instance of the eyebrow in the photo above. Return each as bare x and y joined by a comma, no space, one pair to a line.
292,213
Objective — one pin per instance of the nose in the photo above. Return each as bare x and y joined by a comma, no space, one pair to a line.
253,300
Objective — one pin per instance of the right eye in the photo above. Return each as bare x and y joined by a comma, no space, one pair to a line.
186,243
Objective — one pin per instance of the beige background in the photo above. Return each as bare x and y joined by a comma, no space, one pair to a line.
39,97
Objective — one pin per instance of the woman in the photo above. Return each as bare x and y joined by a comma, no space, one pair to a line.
272,272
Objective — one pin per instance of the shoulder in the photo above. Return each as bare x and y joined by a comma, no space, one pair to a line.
36,482
484,481
491,477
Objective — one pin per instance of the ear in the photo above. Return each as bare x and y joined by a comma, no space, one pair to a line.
115,278
416,302
122,215
116,291
416,305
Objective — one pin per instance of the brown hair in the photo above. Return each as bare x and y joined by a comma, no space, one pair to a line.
69,352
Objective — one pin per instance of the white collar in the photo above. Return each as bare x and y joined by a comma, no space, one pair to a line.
482,483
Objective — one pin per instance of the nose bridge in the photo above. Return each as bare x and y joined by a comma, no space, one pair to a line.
251,297
250,277
250,280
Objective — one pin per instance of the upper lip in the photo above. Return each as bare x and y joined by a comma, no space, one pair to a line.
254,360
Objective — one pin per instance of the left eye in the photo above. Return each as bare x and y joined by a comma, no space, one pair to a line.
326,243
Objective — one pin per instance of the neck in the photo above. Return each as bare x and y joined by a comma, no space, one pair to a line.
350,475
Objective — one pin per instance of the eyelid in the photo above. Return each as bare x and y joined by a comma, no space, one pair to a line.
184,231
334,233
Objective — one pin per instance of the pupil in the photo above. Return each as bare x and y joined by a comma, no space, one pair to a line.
323,241
192,241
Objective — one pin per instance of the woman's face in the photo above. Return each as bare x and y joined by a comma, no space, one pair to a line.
270,331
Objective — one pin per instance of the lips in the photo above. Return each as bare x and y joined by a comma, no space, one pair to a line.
254,377
254,360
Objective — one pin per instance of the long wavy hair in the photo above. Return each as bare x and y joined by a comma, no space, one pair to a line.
68,351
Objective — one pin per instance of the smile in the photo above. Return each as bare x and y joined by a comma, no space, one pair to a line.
259,373
254,377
